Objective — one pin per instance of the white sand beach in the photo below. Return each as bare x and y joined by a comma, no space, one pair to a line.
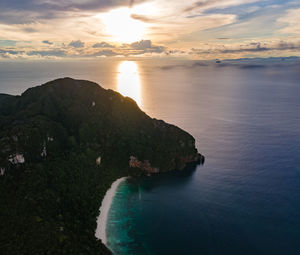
104,210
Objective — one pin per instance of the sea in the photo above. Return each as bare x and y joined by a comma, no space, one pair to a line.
245,117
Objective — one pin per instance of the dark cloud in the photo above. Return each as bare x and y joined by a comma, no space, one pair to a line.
30,11
47,53
47,42
133,49
55,53
146,47
193,16
62,5
252,47
141,45
201,51
12,52
209,4
23,16
143,18
259,48
76,44
201,4
105,49
288,46
256,49
29,30
173,52
103,45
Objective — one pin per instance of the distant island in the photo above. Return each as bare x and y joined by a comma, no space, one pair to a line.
62,145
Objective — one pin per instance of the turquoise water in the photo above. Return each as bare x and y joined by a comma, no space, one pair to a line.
127,230
124,242
245,118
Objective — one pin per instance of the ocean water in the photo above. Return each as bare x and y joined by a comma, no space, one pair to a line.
245,118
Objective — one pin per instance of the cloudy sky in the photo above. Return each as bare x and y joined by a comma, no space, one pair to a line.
197,29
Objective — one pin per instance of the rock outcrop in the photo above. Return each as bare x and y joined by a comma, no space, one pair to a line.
145,166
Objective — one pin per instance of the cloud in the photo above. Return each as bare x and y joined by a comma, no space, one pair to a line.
47,42
201,4
25,16
39,11
48,5
181,27
207,4
146,46
253,47
35,19
12,52
29,30
76,44
103,45
198,64
288,45
143,18
291,22
257,48
141,45
47,53
282,46
76,50
8,43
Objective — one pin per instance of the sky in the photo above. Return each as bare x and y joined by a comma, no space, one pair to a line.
195,29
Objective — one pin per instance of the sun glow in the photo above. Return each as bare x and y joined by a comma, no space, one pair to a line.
121,27
129,81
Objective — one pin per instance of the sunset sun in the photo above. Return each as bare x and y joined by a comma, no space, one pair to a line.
121,27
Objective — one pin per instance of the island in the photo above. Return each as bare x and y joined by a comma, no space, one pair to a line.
62,145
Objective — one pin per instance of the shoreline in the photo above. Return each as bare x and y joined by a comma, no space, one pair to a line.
100,232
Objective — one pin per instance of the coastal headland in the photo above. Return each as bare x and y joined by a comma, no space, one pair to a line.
62,146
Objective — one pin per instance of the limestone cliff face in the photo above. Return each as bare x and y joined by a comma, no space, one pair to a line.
144,166
181,163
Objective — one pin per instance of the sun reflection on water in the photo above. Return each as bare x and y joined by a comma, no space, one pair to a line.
129,81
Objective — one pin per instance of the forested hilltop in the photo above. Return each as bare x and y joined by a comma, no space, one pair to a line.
62,144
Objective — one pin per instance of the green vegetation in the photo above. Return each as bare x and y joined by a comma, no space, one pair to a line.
50,202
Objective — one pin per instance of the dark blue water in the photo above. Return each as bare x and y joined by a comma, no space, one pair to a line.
246,198
245,118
